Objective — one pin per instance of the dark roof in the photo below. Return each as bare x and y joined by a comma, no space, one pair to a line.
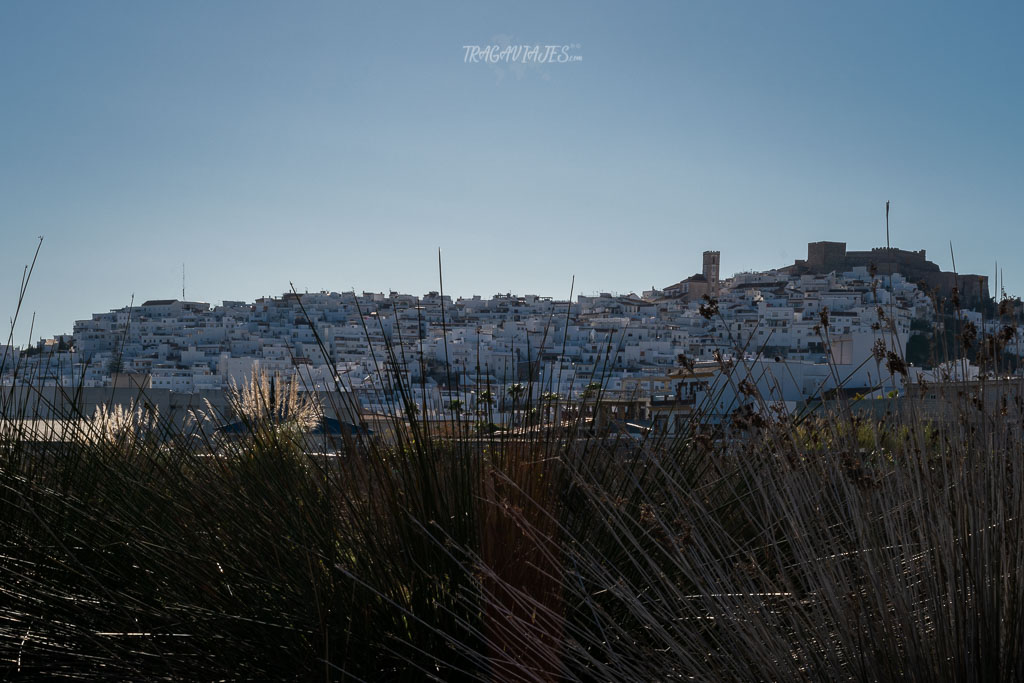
160,302
761,285
335,427
697,277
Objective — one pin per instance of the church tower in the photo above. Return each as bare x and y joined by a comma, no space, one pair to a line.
712,260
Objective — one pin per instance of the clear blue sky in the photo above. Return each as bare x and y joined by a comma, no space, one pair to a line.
338,145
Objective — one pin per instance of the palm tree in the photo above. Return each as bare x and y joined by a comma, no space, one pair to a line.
455,406
550,399
484,402
591,389
116,364
515,391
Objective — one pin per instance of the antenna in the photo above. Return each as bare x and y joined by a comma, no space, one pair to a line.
182,281
887,224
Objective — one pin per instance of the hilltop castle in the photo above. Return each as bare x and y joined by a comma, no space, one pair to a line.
825,257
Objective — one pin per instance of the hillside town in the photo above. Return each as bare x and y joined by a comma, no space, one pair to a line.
836,322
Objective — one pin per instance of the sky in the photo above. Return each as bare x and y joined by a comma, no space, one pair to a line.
338,146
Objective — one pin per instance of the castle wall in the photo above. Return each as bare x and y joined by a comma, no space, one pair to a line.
825,257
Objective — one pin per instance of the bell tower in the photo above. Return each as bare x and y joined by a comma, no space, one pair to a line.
712,260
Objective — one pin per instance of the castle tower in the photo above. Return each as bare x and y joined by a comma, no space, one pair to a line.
712,260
